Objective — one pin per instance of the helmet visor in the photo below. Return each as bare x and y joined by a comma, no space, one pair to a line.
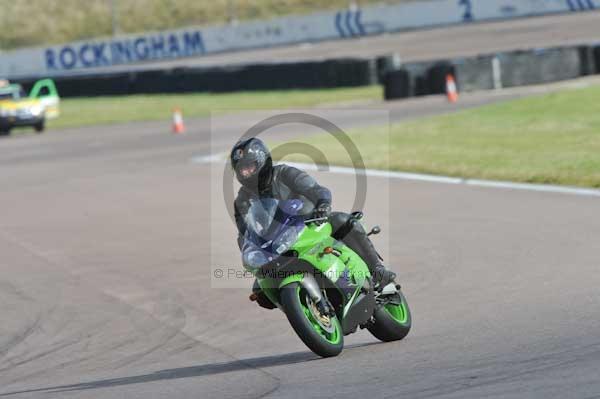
248,170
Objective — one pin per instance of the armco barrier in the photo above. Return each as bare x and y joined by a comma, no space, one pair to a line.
596,55
387,63
396,85
426,78
491,71
539,66
419,85
474,74
422,78
105,85
303,75
436,77
588,60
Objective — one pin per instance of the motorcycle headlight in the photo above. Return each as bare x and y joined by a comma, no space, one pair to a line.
285,241
254,258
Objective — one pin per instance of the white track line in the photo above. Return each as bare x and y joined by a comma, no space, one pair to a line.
210,158
427,178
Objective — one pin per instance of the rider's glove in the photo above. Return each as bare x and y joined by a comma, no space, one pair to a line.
322,210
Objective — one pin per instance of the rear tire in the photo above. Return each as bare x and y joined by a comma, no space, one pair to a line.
392,322
4,131
293,299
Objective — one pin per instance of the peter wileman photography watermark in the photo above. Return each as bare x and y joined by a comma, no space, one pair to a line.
315,141
235,273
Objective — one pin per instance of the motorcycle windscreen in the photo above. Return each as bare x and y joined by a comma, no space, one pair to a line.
271,230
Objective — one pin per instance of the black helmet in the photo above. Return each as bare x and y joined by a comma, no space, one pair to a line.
251,160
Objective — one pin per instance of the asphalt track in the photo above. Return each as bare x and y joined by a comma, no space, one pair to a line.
419,45
105,279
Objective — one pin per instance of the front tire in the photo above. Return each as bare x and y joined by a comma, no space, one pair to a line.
325,341
392,322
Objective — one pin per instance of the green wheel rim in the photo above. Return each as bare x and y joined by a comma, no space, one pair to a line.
398,312
333,337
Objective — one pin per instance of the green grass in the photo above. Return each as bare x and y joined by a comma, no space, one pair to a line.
40,22
107,110
552,139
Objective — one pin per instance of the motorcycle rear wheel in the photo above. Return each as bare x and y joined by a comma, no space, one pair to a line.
392,322
324,339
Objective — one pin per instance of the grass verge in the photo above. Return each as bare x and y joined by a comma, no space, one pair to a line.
107,110
552,139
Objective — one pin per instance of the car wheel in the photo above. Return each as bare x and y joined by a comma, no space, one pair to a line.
4,130
40,126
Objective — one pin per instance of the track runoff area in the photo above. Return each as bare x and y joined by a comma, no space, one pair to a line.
106,287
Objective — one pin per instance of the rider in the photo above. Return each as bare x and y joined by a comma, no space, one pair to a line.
251,160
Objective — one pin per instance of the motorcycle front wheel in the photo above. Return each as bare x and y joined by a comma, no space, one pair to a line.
321,333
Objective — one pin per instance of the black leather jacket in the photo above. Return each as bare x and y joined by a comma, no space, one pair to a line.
287,182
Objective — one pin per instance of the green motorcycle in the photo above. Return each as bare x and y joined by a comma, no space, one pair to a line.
324,288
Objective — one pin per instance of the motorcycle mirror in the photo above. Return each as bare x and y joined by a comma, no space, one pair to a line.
375,230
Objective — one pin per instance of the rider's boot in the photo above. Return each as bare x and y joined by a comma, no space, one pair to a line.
356,238
382,276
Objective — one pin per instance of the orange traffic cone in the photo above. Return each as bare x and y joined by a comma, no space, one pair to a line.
178,126
451,90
